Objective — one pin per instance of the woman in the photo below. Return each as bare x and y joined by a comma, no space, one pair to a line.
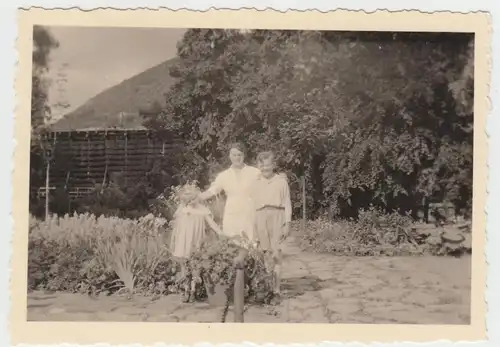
236,182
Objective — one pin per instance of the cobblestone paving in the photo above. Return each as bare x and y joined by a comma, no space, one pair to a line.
317,288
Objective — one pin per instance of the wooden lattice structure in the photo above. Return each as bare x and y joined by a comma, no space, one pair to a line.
86,158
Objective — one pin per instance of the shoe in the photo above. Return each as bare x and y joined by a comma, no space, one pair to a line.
186,298
276,300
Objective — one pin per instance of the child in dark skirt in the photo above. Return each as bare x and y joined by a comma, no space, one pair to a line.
271,195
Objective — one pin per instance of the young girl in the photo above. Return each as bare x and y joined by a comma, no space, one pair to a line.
273,211
189,230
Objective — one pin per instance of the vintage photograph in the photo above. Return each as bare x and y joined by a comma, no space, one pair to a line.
269,176
183,177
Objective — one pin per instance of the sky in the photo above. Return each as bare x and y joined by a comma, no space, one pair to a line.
92,59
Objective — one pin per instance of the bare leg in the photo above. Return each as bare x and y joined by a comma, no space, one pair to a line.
277,279
277,272
187,291
192,290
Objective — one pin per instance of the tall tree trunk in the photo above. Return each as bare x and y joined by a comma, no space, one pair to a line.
425,204
317,185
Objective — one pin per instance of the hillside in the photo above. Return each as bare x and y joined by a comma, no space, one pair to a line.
128,97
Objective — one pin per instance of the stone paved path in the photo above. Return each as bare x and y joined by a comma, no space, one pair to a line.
318,288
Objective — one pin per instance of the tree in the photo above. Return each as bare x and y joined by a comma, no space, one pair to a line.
382,117
409,144
41,147
199,102
288,97
43,44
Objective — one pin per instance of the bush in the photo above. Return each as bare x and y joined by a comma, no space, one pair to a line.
375,233
213,264
93,255
114,200
82,253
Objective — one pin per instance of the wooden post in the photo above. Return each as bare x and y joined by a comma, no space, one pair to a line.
126,158
88,153
72,158
149,159
425,204
239,286
67,192
48,159
47,183
304,202
104,179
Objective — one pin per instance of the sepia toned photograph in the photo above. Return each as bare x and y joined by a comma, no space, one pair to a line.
238,175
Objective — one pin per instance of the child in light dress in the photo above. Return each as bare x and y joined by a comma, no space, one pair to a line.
189,229
273,212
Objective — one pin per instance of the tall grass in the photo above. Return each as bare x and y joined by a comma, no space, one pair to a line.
132,249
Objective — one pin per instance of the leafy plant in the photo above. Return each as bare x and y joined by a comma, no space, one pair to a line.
378,234
89,254
213,264
374,227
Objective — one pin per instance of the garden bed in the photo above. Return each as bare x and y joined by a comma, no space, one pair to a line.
376,234
108,255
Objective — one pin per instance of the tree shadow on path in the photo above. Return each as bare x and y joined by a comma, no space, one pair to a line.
297,286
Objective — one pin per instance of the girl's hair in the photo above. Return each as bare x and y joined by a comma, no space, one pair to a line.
265,156
240,146
188,193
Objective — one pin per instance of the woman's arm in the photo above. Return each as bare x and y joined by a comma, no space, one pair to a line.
207,194
215,188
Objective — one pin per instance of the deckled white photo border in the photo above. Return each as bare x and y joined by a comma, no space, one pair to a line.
91,329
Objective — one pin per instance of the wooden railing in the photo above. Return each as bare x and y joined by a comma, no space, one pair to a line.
73,193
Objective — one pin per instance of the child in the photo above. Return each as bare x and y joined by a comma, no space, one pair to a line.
271,195
189,230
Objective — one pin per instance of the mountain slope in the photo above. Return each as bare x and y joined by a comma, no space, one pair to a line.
128,97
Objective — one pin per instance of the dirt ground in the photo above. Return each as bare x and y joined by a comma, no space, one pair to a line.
317,288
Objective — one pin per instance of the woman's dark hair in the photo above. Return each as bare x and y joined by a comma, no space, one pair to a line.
240,146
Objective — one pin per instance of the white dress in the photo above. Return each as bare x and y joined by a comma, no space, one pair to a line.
189,230
239,210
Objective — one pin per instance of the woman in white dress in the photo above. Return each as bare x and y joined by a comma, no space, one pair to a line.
236,182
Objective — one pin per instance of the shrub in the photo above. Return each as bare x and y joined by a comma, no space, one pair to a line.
375,228
213,264
86,254
376,233
114,200
82,253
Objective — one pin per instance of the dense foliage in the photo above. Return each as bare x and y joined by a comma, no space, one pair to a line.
82,253
43,44
383,118
213,264
376,233
108,255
